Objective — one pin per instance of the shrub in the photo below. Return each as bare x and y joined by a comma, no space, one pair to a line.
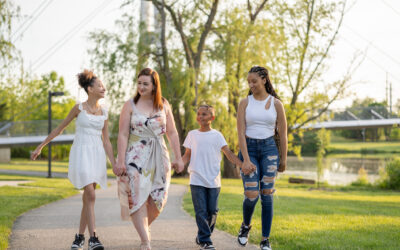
392,179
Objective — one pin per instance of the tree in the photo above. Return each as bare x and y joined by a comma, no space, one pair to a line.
311,28
240,36
114,56
8,52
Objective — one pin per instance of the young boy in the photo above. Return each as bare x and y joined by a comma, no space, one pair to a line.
203,150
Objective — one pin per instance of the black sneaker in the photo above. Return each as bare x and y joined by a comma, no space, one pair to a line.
243,235
78,242
95,244
264,245
197,240
206,245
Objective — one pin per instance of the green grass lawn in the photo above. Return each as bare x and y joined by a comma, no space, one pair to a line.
40,166
14,201
364,147
304,218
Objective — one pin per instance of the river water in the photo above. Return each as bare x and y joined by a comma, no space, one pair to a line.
336,170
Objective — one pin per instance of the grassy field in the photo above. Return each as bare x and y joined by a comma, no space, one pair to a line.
364,147
40,166
306,218
14,201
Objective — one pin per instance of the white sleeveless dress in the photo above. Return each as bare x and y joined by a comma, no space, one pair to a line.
87,158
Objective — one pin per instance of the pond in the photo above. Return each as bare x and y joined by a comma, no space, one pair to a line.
337,170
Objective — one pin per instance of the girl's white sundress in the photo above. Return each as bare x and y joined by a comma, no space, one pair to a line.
87,158
147,162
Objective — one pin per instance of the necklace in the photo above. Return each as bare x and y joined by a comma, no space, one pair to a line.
90,110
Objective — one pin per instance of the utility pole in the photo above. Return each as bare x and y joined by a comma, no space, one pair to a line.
390,99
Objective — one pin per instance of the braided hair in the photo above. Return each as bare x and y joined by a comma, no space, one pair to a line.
263,73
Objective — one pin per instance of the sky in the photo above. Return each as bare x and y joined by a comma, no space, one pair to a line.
369,27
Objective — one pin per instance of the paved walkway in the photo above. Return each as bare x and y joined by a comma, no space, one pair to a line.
53,226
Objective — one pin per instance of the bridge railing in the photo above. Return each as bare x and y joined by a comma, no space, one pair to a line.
32,128
361,113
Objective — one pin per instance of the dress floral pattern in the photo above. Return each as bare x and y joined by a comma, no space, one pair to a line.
147,162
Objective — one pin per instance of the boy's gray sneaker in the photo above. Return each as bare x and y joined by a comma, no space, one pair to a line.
78,242
207,246
264,245
95,244
243,235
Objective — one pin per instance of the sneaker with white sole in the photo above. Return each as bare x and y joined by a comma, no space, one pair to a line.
243,235
78,242
95,244
264,245
207,245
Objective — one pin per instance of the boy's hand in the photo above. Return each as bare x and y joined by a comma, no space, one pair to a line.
248,167
178,165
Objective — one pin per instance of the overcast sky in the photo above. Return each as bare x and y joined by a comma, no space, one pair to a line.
370,26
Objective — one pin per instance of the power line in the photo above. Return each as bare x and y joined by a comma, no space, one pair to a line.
373,45
39,9
372,60
388,5
71,33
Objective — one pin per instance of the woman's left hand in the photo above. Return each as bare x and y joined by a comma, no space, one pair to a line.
178,165
282,166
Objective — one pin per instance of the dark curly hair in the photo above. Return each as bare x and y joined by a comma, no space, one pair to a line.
263,73
86,79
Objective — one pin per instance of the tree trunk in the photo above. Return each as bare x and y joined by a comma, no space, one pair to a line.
230,170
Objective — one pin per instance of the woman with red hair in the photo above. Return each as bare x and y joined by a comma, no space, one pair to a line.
143,164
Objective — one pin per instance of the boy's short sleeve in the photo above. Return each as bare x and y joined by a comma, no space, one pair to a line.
222,141
188,141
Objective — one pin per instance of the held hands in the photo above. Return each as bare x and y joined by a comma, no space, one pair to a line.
248,167
36,153
119,168
178,165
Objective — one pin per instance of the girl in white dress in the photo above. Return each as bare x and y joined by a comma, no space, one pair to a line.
87,159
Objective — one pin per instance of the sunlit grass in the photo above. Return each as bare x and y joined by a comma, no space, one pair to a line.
354,147
16,200
306,218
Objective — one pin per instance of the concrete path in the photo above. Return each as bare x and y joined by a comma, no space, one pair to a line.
53,226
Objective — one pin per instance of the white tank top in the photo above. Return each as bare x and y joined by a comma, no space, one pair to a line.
260,122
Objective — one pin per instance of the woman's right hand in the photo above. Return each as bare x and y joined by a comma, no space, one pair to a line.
119,168
248,167
36,153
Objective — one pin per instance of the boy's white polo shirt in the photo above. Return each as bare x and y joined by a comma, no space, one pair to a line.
205,159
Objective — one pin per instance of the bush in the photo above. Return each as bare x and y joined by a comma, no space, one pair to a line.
392,179
362,178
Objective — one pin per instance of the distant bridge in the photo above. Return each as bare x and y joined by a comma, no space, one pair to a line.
29,133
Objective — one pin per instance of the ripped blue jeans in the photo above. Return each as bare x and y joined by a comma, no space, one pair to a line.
264,154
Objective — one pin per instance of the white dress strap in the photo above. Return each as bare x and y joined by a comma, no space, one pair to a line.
80,107
105,112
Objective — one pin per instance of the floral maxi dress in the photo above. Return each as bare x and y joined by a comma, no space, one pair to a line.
147,162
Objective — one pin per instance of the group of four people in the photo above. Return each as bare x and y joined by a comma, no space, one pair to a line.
143,167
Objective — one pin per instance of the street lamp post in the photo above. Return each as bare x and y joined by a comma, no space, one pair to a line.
49,128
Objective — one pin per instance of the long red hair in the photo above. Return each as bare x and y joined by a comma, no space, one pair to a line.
155,79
